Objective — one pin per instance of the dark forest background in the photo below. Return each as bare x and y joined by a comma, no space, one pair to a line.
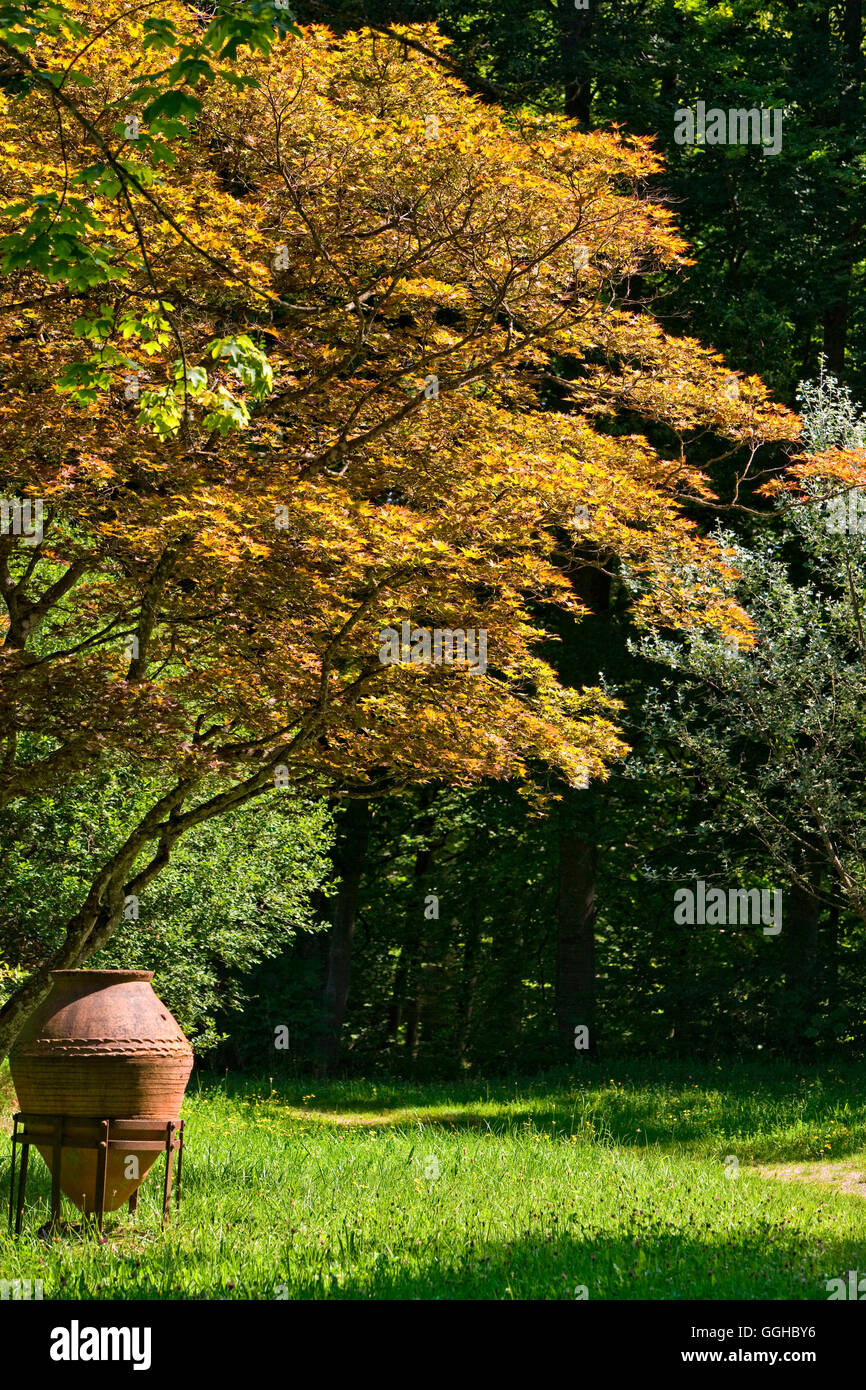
547,921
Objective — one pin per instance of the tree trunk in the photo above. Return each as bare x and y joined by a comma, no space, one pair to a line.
468,981
836,326
830,993
412,1021
405,1000
578,862
802,985
350,855
398,994
575,957
836,312
575,26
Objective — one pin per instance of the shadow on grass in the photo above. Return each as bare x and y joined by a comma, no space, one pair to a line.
568,1267
664,1267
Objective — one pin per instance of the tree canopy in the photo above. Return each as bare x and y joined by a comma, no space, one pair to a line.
302,340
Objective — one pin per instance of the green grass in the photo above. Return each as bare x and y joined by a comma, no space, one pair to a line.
612,1177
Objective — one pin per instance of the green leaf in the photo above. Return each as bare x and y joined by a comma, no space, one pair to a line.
172,104
60,79
159,34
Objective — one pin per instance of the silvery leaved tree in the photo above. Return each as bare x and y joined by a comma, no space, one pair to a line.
770,734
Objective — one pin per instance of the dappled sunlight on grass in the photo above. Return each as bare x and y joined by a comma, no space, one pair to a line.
768,1112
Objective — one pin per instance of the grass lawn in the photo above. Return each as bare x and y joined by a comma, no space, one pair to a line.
627,1180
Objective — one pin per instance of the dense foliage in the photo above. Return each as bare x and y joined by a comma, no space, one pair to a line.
415,317
234,893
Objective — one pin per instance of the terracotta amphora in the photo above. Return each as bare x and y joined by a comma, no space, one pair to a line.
101,1045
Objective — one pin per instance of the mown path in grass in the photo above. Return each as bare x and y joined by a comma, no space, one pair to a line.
620,1180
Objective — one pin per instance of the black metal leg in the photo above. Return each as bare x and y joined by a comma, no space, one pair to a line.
56,1160
22,1185
12,1169
169,1164
179,1163
101,1174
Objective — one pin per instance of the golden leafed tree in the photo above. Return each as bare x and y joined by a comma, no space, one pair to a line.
302,342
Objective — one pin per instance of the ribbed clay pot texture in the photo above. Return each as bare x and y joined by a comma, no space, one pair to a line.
101,1045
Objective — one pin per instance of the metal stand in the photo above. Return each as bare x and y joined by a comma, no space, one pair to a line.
44,1130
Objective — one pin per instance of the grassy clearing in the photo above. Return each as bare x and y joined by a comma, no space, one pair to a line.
612,1178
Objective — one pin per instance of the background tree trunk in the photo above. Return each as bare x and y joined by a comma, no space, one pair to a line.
575,25
578,855
847,114
800,927
350,854
468,981
413,950
575,956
